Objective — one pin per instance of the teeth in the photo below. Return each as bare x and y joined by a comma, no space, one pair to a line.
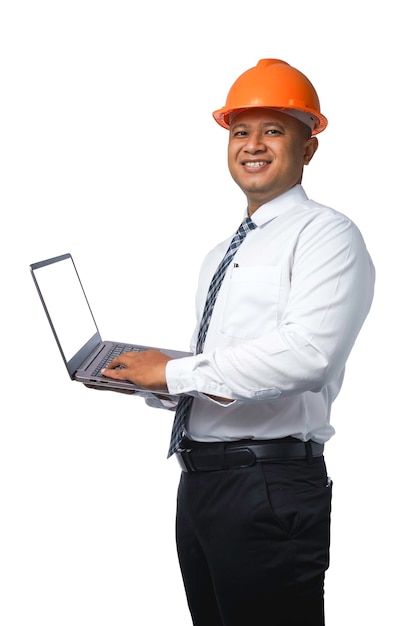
255,163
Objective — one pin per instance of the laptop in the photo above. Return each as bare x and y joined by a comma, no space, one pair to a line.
75,330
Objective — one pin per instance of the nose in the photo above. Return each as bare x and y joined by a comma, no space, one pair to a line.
255,143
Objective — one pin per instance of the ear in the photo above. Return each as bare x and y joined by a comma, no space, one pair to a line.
310,148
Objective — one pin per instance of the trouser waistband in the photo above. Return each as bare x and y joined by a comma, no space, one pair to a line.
195,456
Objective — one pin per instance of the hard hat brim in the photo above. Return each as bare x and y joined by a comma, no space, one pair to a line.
222,116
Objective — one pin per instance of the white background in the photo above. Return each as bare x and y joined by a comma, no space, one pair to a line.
109,151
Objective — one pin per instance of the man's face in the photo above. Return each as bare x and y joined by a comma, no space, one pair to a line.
267,152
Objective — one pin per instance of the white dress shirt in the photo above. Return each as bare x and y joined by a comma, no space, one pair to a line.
286,318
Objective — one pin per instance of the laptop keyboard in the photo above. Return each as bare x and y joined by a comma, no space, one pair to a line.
115,352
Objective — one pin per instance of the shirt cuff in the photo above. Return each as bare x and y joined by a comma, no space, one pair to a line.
179,375
169,404
182,377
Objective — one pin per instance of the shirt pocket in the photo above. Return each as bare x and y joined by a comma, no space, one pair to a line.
251,301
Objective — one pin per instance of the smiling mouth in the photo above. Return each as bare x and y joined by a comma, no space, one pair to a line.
255,164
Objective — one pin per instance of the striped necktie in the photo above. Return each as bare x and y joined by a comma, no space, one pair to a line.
185,402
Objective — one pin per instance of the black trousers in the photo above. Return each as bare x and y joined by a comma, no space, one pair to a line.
253,543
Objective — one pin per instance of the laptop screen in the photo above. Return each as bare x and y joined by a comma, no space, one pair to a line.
65,303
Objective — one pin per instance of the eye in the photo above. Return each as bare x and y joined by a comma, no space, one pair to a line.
274,131
240,133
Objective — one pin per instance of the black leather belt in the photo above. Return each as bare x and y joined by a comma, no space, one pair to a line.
195,456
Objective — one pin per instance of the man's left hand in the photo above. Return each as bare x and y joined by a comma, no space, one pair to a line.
146,369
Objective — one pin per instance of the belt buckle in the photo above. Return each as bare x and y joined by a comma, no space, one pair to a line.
246,457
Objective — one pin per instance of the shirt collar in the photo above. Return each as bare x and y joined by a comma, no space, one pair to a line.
280,204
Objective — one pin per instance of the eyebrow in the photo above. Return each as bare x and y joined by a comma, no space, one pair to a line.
264,124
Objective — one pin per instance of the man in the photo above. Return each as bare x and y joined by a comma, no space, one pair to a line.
277,316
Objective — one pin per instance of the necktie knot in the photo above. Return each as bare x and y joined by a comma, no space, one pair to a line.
245,227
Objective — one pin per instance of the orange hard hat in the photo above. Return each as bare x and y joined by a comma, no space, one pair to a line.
273,84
